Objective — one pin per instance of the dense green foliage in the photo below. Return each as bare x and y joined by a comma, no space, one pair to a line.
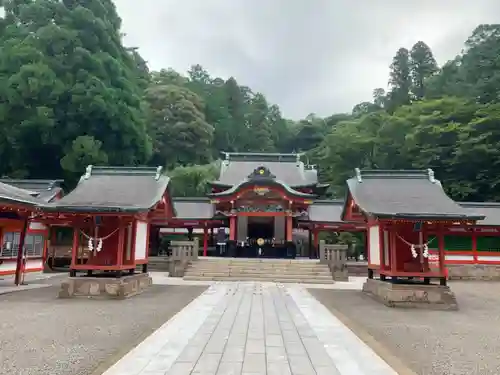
72,95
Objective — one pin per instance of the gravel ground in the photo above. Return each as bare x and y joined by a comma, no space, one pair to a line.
464,342
43,335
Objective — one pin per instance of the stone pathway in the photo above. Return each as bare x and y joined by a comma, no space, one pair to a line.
252,328
30,282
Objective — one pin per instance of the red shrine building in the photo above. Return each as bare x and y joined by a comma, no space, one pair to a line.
405,212
256,204
270,198
110,212
261,205
20,224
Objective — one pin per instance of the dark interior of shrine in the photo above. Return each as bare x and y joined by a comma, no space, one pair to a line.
260,227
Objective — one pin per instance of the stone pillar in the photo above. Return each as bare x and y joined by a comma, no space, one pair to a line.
335,256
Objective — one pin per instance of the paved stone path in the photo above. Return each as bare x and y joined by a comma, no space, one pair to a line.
252,328
30,282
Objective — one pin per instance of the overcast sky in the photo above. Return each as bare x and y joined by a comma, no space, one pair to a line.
307,56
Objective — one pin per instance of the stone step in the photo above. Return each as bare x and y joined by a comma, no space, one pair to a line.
263,264
262,260
259,272
256,274
245,272
276,269
270,278
260,266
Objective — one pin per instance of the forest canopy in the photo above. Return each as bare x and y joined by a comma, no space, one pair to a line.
72,94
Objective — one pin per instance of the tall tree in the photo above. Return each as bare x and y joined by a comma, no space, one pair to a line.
422,66
379,97
259,127
400,80
481,63
64,74
181,134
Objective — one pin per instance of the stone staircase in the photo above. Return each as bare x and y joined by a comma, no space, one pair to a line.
273,270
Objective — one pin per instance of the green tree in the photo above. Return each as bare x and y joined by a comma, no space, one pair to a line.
400,80
192,181
178,127
64,73
379,97
481,63
259,126
422,66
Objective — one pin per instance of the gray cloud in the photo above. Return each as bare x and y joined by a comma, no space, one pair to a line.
320,56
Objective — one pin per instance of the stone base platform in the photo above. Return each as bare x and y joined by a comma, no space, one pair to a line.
105,287
435,297
483,272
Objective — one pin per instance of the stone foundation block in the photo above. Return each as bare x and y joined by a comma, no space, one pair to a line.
177,268
340,275
435,297
105,287
486,272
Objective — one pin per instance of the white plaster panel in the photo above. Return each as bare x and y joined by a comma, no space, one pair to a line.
141,240
489,258
374,245
458,257
8,267
37,226
34,264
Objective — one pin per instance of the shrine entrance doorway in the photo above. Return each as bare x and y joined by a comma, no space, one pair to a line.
260,227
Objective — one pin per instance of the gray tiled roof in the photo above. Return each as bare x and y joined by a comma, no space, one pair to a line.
490,209
405,194
46,190
326,211
115,189
193,208
12,194
286,167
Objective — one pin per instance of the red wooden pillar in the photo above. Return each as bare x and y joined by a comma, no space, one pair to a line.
392,249
289,229
441,250
20,252
232,228
205,241
76,243
121,245
381,247
474,246
316,241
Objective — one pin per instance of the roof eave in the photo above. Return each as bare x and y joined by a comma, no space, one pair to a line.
192,218
219,184
19,202
427,216
94,209
191,199
287,188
